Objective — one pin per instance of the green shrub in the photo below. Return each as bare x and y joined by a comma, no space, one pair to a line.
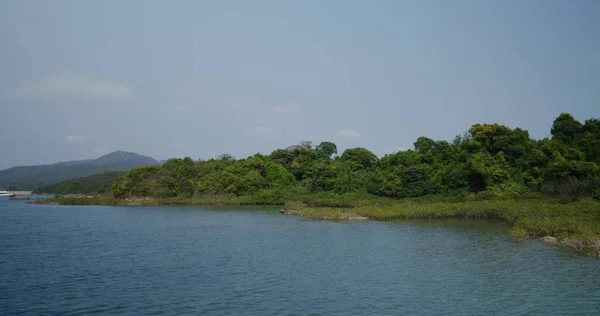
484,196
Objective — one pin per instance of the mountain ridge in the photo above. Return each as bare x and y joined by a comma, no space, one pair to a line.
35,176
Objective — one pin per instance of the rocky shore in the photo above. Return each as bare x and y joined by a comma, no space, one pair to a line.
20,192
579,245
311,214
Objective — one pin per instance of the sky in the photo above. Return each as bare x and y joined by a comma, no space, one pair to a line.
166,79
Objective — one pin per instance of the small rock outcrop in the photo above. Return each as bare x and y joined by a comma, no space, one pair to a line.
288,212
350,216
549,239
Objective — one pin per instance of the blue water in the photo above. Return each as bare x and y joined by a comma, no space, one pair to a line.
72,260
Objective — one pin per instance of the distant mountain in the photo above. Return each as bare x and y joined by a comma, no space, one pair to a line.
33,177
125,159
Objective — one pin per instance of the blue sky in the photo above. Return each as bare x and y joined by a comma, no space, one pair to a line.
202,78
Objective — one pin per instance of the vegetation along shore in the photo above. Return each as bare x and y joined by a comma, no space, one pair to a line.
548,188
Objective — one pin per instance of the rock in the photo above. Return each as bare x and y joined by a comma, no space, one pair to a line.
350,216
549,239
288,212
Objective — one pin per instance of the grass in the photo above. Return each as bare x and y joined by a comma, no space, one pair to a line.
575,224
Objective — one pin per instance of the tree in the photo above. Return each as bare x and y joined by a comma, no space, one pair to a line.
306,144
166,187
361,156
326,149
405,158
414,181
278,177
590,141
226,157
487,170
323,173
566,129
283,157
424,145
346,178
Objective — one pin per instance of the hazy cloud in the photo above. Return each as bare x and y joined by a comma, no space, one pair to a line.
183,109
177,145
348,133
283,108
72,86
73,139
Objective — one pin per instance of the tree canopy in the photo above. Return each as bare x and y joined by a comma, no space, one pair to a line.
489,159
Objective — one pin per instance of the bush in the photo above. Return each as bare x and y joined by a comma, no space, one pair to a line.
518,233
508,189
483,196
565,187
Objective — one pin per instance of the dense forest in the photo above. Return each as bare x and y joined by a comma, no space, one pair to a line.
487,161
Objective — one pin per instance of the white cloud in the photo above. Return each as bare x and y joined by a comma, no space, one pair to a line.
283,108
183,109
72,86
177,145
73,139
400,148
100,151
261,131
348,133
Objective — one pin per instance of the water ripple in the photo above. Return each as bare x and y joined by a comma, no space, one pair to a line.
191,260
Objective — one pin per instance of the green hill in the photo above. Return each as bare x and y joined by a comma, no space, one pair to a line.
33,177
94,184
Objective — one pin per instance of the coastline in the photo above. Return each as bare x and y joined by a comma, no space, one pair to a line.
575,225
591,245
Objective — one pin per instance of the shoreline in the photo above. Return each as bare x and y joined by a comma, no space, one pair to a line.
575,225
593,246
20,192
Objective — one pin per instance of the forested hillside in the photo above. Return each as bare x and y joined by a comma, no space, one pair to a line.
94,184
489,160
